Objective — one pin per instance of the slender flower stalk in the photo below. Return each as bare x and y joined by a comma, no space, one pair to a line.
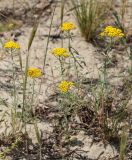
14,83
33,73
69,46
46,50
11,47
62,15
25,87
33,92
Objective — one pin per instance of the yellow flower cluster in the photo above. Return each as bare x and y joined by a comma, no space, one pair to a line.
67,26
34,72
61,52
111,31
11,45
64,86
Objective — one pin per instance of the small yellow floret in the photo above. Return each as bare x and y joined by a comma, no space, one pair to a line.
11,25
11,45
61,52
34,72
67,26
66,55
111,31
65,86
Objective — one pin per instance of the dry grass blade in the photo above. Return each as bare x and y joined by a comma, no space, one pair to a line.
123,144
62,10
33,33
34,30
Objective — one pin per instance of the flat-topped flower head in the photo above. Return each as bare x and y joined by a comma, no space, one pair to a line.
67,26
65,86
11,45
112,32
60,52
34,72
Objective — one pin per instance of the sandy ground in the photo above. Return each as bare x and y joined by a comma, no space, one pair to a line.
37,52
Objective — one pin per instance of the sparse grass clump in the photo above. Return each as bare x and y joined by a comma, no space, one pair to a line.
90,14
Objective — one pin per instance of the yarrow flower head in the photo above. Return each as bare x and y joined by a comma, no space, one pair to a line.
67,26
112,32
11,45
34,72
65,86
61,52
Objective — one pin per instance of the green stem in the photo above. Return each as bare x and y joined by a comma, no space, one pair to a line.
69,46
62,15
20,60
25,86
32,99
46,51
14,82
105,73
61,66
